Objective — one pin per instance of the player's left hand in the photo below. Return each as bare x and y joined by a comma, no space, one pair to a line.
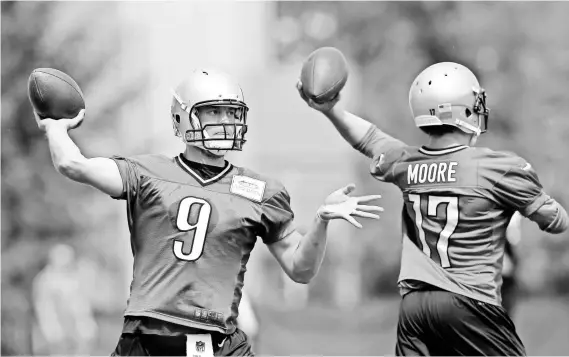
339,205
321,107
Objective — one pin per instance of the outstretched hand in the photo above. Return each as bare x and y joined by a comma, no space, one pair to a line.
322,107
66,124
340,205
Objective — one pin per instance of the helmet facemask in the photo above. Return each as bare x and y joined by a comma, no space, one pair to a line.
481,109
217,138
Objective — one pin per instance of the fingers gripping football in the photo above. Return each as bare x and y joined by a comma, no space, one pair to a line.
66,124
339,205
321,107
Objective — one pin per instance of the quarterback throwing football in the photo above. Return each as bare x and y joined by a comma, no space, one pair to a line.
194,220
458,201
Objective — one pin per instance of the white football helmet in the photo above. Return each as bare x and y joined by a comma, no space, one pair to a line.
209,88
448,93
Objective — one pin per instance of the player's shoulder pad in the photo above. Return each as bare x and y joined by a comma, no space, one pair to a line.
503,166
147,163
504,161
256,187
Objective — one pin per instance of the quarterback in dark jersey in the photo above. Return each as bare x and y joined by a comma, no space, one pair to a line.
458,201
194,220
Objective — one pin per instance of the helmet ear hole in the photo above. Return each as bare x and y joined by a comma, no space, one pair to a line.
467,112
177,118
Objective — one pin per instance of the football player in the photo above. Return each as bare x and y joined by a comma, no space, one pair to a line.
458,201
194,219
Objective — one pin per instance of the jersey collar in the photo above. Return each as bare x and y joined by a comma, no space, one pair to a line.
443,151
204,182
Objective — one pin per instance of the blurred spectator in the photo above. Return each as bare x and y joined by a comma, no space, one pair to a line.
62,309
247,321
510,264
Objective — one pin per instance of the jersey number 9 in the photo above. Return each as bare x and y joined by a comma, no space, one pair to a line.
199,227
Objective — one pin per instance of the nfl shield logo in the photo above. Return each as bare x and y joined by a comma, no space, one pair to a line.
200,346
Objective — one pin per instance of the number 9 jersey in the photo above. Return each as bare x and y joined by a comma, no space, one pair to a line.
191,237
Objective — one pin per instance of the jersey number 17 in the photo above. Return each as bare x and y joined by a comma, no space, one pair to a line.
441,241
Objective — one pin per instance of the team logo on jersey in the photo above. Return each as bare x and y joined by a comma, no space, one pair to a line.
248,187
200,346
381,161
375,166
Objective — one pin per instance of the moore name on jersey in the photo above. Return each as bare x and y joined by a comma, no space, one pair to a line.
435,172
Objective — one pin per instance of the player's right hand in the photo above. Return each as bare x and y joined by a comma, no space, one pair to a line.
67,124
339,205
321,107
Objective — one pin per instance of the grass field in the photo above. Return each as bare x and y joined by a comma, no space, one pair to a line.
369,329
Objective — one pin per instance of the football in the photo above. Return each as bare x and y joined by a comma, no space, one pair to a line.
54,94
324,74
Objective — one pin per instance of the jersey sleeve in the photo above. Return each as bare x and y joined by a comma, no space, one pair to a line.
551,217
383,165
384,150
129,176
375,142
276,217
519,189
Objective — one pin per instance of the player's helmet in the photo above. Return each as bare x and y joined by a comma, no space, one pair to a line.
448,93
209,88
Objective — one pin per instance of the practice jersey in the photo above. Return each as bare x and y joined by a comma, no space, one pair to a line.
458,202
191,238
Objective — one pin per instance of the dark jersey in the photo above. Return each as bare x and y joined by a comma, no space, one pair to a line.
458,202
191,237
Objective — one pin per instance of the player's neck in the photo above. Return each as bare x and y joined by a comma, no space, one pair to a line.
448,140
200,156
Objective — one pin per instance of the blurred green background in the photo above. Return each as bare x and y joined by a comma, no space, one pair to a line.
126,55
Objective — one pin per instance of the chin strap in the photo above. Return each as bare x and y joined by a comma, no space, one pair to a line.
470,127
